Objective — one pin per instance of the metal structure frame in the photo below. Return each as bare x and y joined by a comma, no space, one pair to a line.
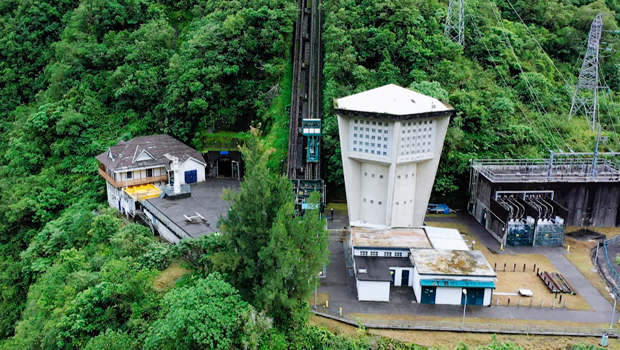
560,167
455,22
586,91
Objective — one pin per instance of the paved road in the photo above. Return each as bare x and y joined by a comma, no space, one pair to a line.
340,285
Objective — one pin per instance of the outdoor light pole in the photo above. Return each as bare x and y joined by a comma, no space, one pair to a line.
464,306
316,287
613,311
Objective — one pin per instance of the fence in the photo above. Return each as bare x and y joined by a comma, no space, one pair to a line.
504,328
612,271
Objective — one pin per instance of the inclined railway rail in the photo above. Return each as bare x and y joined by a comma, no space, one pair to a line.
306,91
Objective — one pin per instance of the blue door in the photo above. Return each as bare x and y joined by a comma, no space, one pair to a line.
191,176
428,295
404,278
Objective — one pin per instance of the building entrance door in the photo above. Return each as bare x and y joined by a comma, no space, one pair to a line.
224,167
428,295
191,176
392,273
475,296
404,278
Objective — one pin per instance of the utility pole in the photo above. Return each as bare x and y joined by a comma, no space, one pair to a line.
455,22
587,87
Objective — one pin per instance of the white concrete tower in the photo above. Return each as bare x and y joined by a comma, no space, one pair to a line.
391,140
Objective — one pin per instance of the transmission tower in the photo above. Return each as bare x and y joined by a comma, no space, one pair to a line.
455,22
587,87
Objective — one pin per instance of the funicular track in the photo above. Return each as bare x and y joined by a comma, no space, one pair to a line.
306,91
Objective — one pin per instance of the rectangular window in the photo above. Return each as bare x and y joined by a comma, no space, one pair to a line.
355,128
398,254
387,253
149,172
374,254
129,174
364,253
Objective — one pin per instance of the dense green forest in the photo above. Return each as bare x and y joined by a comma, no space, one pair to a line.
79,75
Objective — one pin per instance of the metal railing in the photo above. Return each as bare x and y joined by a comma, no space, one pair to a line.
546,170
610,268
504,328
176,230
132,182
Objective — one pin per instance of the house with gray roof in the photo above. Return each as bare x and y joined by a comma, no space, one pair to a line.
141,168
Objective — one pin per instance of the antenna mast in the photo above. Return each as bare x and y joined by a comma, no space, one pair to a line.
455,22
587,87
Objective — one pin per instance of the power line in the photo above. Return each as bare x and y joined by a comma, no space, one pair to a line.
510,94
537,43
537,103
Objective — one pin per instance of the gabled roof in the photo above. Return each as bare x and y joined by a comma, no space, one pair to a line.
147,151
391,100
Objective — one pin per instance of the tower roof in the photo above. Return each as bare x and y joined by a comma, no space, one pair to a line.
391,100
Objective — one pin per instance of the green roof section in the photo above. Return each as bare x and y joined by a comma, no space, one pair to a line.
457,283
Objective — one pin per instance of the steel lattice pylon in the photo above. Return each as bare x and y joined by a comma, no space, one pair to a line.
455,22
586,92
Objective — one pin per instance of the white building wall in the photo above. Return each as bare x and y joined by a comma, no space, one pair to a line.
191,164
373,189
113,195
488,294
410,149
373,291
164,232
415,284
448,296
404,194
426,173
398,274
381,252
351,169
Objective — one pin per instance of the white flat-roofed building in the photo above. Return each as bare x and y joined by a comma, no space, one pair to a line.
445,238
391,140
382,258
441,275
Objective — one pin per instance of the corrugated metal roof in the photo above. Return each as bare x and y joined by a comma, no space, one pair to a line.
457,283
391,99
445,238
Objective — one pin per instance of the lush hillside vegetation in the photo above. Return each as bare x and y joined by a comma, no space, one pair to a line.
79,75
